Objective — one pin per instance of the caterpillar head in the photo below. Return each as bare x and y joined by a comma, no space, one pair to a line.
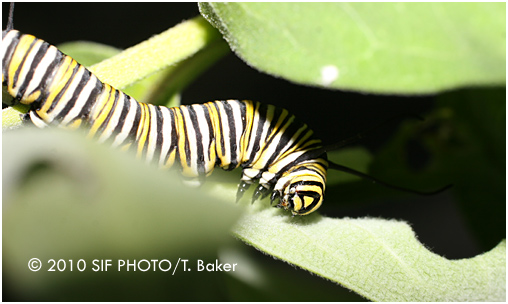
302,194
300,189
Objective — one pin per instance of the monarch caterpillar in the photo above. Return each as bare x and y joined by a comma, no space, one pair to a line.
271,145
268,142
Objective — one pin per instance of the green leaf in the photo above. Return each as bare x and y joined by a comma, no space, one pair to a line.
260,277
379,259
376,47
65,197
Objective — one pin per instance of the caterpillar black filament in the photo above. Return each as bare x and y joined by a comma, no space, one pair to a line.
271,146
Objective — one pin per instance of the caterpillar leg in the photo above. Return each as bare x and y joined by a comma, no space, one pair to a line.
275,196
261,191
244,186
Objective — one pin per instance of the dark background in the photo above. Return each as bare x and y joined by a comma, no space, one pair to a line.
125,24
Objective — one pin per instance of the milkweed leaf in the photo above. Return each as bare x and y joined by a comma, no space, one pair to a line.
376,47
379,259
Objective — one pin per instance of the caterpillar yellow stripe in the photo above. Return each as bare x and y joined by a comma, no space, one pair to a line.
270,144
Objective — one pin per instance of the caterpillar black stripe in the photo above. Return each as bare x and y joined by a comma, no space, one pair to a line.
271,146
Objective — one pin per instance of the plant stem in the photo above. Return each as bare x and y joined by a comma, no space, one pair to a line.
156,53
183,73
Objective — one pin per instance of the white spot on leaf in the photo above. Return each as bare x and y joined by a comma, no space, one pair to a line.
329,73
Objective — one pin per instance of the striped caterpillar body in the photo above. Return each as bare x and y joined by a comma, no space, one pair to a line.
270,144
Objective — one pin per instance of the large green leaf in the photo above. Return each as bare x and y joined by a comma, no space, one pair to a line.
261,276
376,47
68,198
379,259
